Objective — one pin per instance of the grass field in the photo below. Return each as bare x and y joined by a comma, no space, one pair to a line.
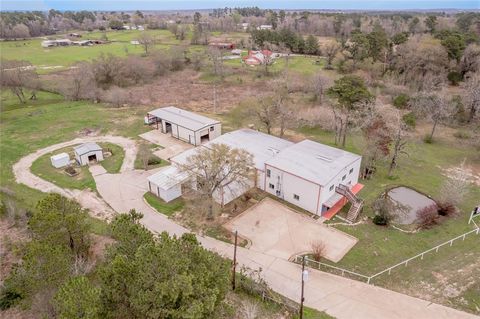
112,163
51,120
43,167
161,206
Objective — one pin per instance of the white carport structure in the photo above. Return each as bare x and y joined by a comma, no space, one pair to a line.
167,183
60,160
88,152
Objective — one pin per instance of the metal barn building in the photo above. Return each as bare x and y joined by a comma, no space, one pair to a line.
167,183
184,125
88,152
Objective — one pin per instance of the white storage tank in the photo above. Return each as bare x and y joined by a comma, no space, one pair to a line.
60,160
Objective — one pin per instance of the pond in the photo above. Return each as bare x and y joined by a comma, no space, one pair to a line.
412,202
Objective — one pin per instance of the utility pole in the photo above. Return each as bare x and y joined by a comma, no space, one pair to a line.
304,278
234,261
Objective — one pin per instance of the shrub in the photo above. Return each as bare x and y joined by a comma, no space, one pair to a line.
318,250
9,298
428,139
154,160
446,208
464,135
410,119
401,101
380,220
428,217
454,77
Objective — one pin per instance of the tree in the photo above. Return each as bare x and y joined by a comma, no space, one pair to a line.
399,142
455,45
436,108
61,221
358,46
146,41
20,31
167,278
217,62
320,84
16,76
352,96
472,96
378,139
196,17
311,45
400,38
431,23
144,154
78,298
217,169
454,189
115,25
330,50
79,83
377,42
470,62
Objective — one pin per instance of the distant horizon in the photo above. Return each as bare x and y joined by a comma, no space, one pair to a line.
190,5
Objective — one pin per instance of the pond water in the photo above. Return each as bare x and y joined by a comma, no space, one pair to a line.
411,200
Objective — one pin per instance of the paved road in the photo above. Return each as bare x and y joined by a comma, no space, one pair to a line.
338,296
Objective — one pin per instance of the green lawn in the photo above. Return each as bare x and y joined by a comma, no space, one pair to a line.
43,168
51,120
112,163
163,207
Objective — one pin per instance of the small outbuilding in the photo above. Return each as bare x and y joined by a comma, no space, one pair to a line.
167,184
60,160
88,152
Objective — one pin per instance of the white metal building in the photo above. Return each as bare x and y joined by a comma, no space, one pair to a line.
167,183
88,152
60,160
307,173
262,147
184,125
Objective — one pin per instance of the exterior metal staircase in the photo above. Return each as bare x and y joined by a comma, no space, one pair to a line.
357,203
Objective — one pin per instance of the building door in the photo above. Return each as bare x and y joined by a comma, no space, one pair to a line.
168,127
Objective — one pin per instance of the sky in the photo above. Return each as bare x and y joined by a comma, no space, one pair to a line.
115,5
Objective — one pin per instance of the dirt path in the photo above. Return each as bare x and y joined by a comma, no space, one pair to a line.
88,199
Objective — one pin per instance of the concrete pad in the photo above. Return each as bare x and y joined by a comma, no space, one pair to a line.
171,146
279,231
97,169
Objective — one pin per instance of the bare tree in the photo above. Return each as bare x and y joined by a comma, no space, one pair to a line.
318,250
144,155
219,168
79,83
436,108
319,86
399,143
330,50
216,57
472,95
146,41
18,75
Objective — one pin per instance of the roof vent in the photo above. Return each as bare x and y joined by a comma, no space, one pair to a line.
273,150
324,158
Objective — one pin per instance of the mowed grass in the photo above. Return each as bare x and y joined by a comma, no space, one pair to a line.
380,247
113,163
43,168
30,127
162,207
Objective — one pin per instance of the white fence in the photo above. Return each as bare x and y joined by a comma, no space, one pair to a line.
354,275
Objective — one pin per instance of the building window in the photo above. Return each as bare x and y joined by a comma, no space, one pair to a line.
331,188
268,173
295,196
343,178
351,171
271,186
211,128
